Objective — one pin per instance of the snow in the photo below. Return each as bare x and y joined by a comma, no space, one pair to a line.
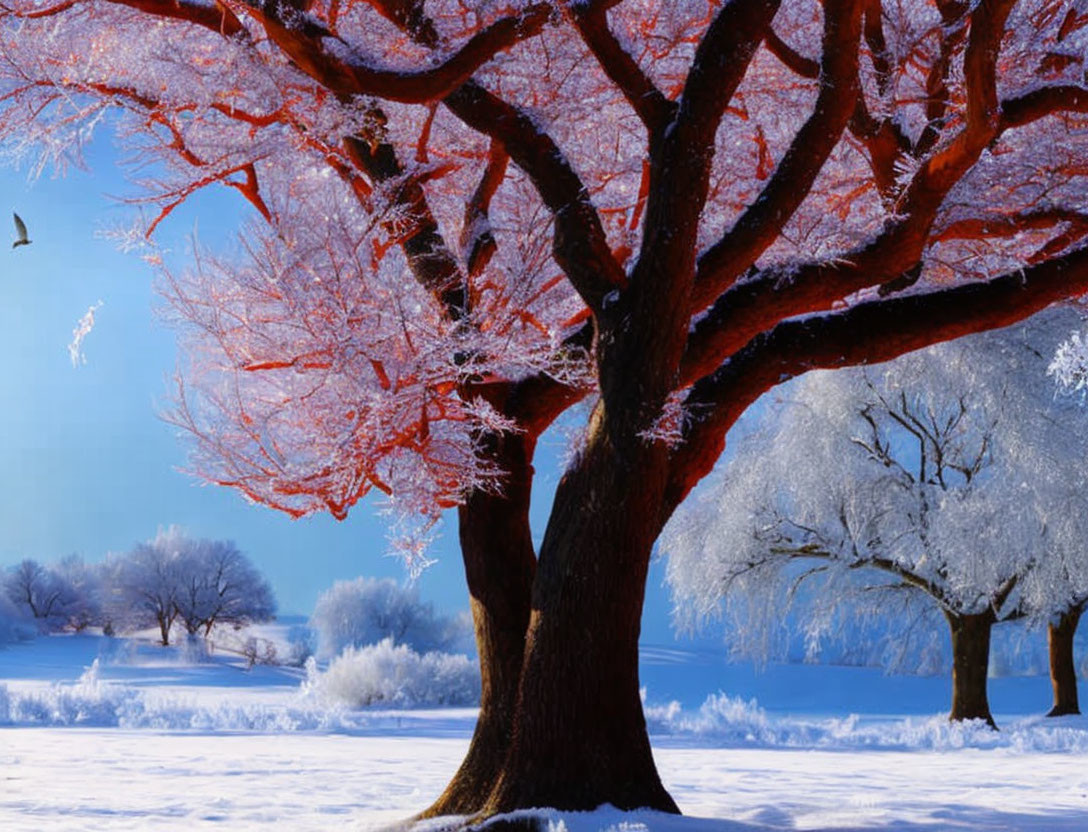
105,734
82,329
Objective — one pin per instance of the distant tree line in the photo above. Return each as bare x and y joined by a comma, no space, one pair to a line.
171,579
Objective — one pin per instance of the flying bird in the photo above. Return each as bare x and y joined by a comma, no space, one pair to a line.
20,232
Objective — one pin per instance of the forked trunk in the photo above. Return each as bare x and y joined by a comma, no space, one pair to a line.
497,549
970,665
579,735
1063,672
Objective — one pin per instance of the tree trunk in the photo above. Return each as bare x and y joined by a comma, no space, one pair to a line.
579,735
1063,672
497,548
164,630
970,665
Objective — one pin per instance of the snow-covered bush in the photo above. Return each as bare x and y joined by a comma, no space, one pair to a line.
301,645
395,675
367,610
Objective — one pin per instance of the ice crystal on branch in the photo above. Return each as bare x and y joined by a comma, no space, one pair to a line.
1069,367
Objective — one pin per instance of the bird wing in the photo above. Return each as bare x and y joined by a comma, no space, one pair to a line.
20,226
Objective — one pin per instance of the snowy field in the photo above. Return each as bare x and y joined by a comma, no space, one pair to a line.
147,740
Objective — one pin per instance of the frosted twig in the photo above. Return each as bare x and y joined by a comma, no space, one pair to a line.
82,330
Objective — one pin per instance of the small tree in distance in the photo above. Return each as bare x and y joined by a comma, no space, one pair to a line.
949,471
144,585
218,585
198,582
46,595
366,611
87,583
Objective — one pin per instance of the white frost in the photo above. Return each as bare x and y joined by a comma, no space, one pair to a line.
82,330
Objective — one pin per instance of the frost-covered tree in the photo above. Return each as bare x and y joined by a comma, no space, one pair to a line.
949,471
217,584
14,624
366,611
87,588
195,582
466,217
144,585
46,594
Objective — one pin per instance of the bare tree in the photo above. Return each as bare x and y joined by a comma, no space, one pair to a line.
218,584
197,582
145,583
43,593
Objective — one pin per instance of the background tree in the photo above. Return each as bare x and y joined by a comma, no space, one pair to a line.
951,471
1069,369
367,610
15,625
197,582
217,584
145,584
466,217
86,582
45,594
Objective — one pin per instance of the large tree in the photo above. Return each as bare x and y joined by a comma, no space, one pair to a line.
951,474
469,216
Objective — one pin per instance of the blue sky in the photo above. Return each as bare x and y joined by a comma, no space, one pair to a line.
87,464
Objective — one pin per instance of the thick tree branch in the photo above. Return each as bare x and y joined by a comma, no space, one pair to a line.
980,64
953,31
871,332
1042,102
759,226
304,40
429,258
215,16
637,87
679,171
580,246
891,567
803,66
884,138
477,241
756,304
1008,225
646,329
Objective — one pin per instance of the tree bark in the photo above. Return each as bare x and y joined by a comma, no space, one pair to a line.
580,736
970,665
500,562
1063,672
164,630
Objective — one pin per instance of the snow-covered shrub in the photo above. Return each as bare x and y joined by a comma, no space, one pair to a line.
301,644
395,675
366,610
259,651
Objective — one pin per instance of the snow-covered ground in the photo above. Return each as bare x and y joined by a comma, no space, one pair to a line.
147,740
